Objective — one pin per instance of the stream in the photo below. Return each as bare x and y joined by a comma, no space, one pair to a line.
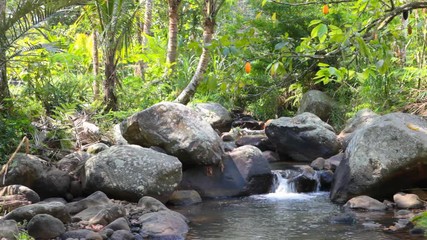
283,214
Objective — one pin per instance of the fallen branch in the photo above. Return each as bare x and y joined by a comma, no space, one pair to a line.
6,166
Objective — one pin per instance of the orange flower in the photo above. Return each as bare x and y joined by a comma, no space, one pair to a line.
325,9
247,67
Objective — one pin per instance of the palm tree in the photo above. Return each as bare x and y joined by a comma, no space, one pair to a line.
115,19
16,19
211,9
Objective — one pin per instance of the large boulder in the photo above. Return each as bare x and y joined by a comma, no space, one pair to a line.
130,171
380,156
37,174
215,114
178,129
244,172
358,121
318,103
304,137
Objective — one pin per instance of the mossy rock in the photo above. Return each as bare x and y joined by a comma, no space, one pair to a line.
420,221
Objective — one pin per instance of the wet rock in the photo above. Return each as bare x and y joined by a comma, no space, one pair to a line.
28,193
243,172
215,114
304,137
81,234
118,224
129,172
404,200
163,223
391,148
365,203
303,178
417,231
178,129
26,213
326,178
122,235
184,197
318,163
44,226
318,103
149,204
271,156
95,199
37,174
107,215
362,118
344,218
96,148
333,162
8,229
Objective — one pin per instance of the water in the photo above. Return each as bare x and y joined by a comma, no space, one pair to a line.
281,215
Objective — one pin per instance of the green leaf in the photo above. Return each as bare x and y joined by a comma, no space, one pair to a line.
314,22
363,48
279,46
320,32
263,3
274,17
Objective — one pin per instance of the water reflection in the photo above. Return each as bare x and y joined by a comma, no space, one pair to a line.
277,216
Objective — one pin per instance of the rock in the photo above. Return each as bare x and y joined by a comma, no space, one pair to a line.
215,114
163,224
118,224
44,226
393,147
129,172
333,162
81,234
8,229
326,178
96,148
318,163
362,118
86,132
318,103
118,135
177,129
184,197
122,235
366,203
247,122
271,156
404,200
149,204
304,137
37,174
29,194
107,215
344,218
259,141
244,172
26,213
95,199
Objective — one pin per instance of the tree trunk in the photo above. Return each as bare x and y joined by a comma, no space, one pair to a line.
110,99
95,64
190,90
173,36
4,87
146,30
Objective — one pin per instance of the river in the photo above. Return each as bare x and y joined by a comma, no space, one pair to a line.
283,215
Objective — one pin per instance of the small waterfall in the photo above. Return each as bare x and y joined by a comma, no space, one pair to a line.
292,181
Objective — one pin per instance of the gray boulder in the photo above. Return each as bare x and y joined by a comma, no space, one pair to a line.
393,147
184,197
26,213
407,200
215,114
8,229
29,194
168,224
130,171
244,172
178,129
304,137
37,174
365,203
44,226
318,103
358,121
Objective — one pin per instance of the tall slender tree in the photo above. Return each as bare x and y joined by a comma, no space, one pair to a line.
116,21
4,88
95,65
210,10
173,36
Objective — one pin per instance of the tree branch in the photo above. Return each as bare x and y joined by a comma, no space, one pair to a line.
311,3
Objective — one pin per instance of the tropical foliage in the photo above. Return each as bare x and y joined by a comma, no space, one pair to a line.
365,54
